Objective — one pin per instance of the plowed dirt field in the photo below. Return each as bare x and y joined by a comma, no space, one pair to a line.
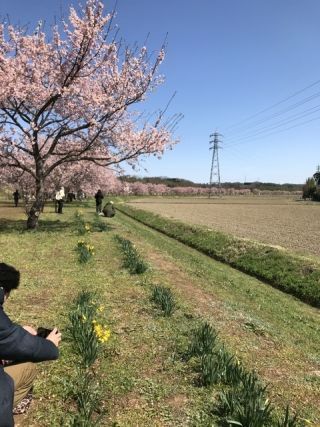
278,221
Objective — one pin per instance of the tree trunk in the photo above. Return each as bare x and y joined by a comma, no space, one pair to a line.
37,205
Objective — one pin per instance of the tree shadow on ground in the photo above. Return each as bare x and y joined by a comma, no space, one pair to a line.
20,226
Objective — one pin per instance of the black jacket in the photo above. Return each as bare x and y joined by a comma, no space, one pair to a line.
99,196
19,345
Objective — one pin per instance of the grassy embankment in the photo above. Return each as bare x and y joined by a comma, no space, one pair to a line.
143,382
272,332
290,273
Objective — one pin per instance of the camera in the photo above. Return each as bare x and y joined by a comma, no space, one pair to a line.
43,332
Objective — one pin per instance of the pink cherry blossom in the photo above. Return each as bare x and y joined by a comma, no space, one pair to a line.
68,97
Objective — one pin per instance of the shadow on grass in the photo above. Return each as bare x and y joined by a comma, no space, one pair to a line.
20,226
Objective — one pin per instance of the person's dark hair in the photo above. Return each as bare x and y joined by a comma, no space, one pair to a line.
9,277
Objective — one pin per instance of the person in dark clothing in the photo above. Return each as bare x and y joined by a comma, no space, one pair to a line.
18,345
71,197
99,197
16,197
109,210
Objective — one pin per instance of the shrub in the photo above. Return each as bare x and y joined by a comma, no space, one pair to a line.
316,195
309,188
163,297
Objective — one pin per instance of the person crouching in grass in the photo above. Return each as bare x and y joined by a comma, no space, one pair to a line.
19,348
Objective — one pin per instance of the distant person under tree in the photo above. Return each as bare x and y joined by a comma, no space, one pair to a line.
16,197
59,200
99,197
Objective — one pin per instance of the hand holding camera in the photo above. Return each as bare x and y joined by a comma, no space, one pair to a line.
52,335
55,337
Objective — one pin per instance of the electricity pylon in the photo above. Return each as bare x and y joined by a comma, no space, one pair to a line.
215,168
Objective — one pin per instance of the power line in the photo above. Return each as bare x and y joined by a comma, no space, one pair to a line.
274,105
281,112
282,122
280,131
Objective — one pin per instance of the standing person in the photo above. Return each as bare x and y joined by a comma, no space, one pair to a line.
109,210
21,346
99,197
60,199
16,197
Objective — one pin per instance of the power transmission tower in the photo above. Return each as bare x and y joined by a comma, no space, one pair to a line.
215,168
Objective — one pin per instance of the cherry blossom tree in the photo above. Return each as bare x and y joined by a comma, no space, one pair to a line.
68,98
85,176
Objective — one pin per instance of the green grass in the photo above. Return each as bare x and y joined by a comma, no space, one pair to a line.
135,387
143,379
291,274
274,333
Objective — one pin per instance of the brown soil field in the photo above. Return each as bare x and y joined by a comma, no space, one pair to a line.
279,221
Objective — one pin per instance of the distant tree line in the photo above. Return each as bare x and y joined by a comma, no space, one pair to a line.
179,182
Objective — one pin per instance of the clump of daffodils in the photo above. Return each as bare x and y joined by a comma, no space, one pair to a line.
87,228
102,332
83,244
85,250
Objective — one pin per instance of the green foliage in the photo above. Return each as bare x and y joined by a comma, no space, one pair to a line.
163,297
86,335
98,224
309,188
246,409
80,226
243,402
86,393
132,259
246,403
85,251
203,341
291,274
84,340
210,372
288,420
316,195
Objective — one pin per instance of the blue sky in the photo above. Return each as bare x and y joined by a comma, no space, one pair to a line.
227,60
